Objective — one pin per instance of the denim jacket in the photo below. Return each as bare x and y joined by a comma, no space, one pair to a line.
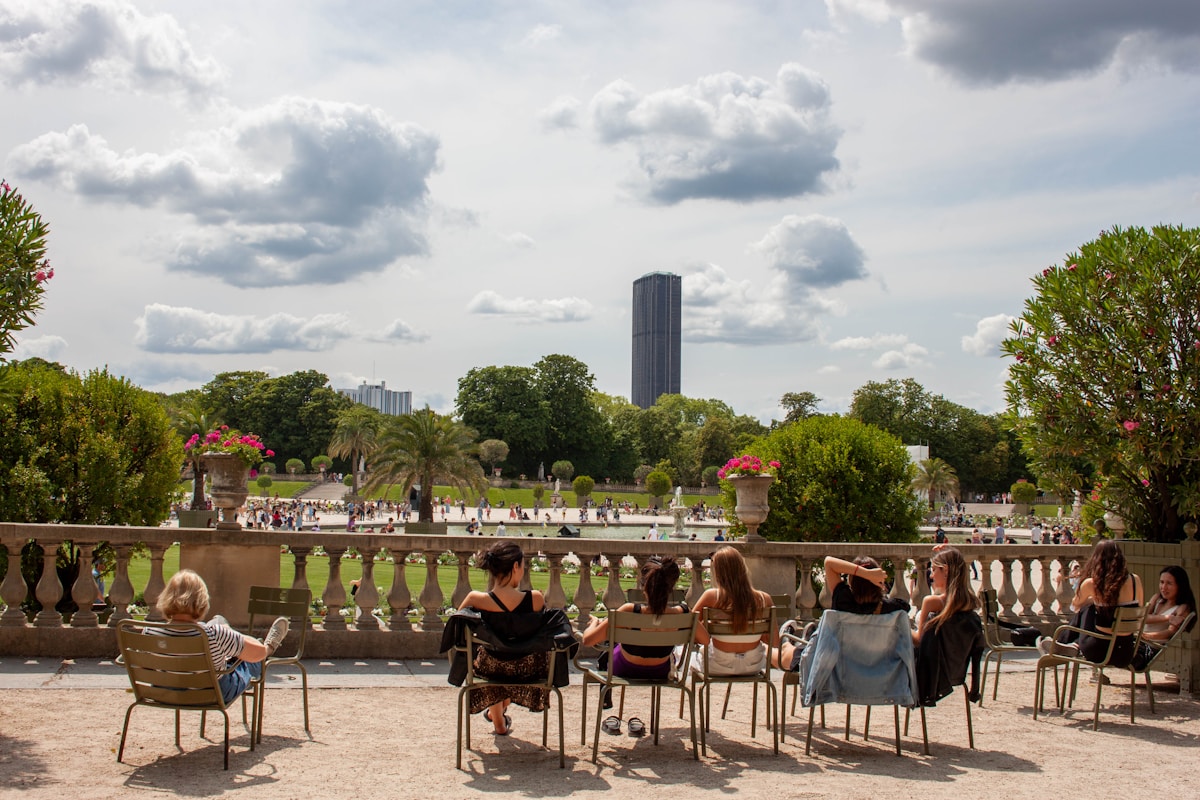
861,659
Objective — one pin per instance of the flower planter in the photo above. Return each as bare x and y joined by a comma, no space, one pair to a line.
229,474
752,503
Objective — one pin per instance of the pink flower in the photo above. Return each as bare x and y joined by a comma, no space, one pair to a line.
1046,272
774,464
224,427
1108,276
1071,268
270,453
39,276
1131,425
253,473
4,185
721,474
1145,482
1053,340
1020,357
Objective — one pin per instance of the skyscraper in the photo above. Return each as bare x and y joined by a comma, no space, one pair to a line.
657,298
381,398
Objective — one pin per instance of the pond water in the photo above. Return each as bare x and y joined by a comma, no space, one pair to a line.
592,531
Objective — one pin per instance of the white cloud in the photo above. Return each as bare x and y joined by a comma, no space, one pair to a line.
173,329
297,192
519,240
48,348
566,309
400,331
989,332
829,369
815,251
105,43
908,357
540,34
562,114
873,342
725,137
722,309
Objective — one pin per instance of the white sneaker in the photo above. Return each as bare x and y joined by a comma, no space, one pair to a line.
789,628
276,635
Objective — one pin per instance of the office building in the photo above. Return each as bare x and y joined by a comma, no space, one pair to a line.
657,299
381,398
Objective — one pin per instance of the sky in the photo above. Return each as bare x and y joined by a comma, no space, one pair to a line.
852,190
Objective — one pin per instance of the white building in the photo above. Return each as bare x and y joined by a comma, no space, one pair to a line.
381,398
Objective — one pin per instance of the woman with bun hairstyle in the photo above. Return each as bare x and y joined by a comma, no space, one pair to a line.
659,575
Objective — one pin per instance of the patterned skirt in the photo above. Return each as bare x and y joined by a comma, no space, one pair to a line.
532,667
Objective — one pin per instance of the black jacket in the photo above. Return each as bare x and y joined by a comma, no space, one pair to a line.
943,655
510,634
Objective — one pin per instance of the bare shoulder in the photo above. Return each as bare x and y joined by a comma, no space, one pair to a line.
539,600
933,603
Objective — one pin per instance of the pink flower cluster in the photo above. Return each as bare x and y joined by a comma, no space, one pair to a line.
222,439
44,273
744,465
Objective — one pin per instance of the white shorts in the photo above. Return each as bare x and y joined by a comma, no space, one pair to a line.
721,662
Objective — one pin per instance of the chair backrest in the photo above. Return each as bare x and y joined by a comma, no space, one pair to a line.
636,595
169,664
268,602
673,630
1158,646
864,659
989,608
1126,622
718,624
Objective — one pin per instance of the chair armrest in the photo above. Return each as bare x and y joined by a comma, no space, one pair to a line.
1097,634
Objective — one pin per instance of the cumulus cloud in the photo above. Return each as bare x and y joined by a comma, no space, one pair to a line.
562,114
47,348
814,251
540,34
873,342
520,240
909,356
565,309
724,137
297,192
174,329
165,374
992,42
400,331
989,332
107,43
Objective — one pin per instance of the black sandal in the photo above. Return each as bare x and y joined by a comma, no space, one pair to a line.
612,726
636,727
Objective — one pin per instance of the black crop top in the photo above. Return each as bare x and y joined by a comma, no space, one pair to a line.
647,650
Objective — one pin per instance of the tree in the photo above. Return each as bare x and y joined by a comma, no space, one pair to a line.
714,445
575,429
492,452
709,475
263,482
267,467
354,437
190,416
93,450
1024,493
935,478
503,403
422,447
294,465
658,483
224,395
24,269
799,405
583,486
296,413
1106,379
562,469
319,463
840,481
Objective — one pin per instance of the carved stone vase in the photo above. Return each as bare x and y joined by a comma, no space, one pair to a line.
229,475
752,503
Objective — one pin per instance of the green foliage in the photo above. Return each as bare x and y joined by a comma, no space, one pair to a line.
1024,492
492,452
709,475
575,429
799,405
348,480
583,486
318,462
504,403
90,450
642,472
267,467
839,481
1107,376
936,479
658,483
354,435
539,492
295,465
263,481
23,266
562,469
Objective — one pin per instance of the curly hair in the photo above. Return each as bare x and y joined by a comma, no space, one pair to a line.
659,575
959,596
1108,572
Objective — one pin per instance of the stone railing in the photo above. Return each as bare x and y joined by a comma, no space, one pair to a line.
1024,576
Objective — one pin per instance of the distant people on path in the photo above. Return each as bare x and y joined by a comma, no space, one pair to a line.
720,537
999,534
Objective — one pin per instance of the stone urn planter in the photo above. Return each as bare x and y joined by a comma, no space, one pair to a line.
229,475
752,504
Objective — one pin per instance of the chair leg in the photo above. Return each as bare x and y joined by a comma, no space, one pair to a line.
812,710
596,732
124,733
1149,689
1096,709
753,709
304,687
562,746
226,715
725,707
458,741
583,715
692,699
847,722
996,679
1132,695
987,660
867,723
970,729
925,729
177,727
896,713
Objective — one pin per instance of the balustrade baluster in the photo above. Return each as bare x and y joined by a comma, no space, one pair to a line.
85,590
155,584
900,579
399,598
526,584
697,588
555,596
367,596
585,593
334,596
1027,595
1007,596
463,587
300,575
1066,595
985,573
806,596
13,590
923,591
49,589
431,594
1046,594
614,595
120,593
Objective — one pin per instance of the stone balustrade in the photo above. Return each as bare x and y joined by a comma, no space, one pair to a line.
1024,576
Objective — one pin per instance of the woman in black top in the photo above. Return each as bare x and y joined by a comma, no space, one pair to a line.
506,564
659,575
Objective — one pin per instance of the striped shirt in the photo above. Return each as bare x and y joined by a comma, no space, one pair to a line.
224,643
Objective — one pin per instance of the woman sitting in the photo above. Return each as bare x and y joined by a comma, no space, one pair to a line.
860,593
505,562
1107,585
732,592
1167,610
952,593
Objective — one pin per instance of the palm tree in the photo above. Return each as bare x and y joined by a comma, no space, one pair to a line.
188,418
935,477
355,435
420,447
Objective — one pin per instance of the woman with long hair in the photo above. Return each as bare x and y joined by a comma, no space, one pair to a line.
659,575
951,579
1167,610
505,562
733,593
1107,585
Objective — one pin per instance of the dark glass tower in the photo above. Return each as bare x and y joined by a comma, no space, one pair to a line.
657,298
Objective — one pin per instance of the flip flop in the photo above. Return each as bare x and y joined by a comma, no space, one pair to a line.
508,726
612,725
636,727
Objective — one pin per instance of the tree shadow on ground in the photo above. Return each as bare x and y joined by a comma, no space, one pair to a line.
20,765
196,769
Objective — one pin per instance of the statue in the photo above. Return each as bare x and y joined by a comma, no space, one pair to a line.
557,486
